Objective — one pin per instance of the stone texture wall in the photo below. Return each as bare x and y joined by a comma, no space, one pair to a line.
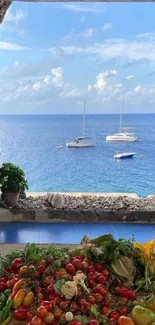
84,208
4,5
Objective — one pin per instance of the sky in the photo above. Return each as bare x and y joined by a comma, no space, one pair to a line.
55,55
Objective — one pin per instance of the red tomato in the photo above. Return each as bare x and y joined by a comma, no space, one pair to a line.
125,292
42,312
77,264
91,299
105,273
48,319
98,297
103,292
20,314
47,305
29,316
104,311
70,268
50,288
102,279
91,283
114,314
99,267
132,296
93,322
41,268
4,279
84,265
36,320
3,286
91,269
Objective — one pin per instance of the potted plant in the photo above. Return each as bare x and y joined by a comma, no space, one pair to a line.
12,183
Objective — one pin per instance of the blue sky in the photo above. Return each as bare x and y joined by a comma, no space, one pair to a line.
54,55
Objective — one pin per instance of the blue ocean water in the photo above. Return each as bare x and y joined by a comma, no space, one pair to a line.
31,141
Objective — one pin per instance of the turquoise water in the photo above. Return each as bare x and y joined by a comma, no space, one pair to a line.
31,142
70,233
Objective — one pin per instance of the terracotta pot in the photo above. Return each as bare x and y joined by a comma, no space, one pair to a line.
10,198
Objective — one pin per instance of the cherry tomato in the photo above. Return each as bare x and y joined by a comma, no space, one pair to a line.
77,264
91,269
114,314
91,299
64,305
73,306
118,290
82,302
42,312
29,316
93,322
50,288
124,311
84,265
99,267
20,314
132,296
41,268
24,269
105,273
87,306
57,314
125,292
49,280
98,297
47,305
4,279
3,286
70,269
91,283
112,321
106,304
104,310
103,292
102,279
36,320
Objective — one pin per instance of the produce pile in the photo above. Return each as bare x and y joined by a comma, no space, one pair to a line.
101,282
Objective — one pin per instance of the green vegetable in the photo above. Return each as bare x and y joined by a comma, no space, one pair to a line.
124,269
7,309
0,315
2,300
7,320
142,316
7,293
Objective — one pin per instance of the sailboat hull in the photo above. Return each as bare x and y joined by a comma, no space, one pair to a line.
121,137
80,144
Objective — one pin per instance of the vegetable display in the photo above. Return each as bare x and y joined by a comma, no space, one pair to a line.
100,282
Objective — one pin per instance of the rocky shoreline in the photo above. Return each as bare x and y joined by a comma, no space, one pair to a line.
81,208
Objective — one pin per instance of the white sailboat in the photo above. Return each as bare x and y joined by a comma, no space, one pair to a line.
81,142
121,136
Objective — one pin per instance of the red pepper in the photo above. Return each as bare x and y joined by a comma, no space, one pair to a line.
16,264
20,314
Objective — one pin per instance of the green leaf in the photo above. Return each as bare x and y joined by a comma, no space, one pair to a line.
95,311
99,240
58,285
81,319
1,269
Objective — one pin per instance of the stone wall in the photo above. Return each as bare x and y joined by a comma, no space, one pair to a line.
81,208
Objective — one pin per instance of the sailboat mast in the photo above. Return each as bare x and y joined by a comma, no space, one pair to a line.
84,118
120,126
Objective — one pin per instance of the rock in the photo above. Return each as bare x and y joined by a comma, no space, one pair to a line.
5,215
57,201
41,216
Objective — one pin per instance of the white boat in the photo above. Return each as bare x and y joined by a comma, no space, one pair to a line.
122,136
124,155
81,142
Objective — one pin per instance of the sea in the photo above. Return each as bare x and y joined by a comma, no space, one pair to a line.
32,141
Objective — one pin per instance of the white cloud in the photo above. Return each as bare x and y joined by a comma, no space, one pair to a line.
11,46
12,22
107,26
84,7
88,33
15,17
130,77
57,73
114,48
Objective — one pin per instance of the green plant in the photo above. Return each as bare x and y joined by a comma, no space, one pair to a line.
12,179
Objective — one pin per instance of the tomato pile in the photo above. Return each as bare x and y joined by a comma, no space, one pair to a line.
36,297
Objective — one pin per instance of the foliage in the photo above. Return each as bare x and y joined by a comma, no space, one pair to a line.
12,178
